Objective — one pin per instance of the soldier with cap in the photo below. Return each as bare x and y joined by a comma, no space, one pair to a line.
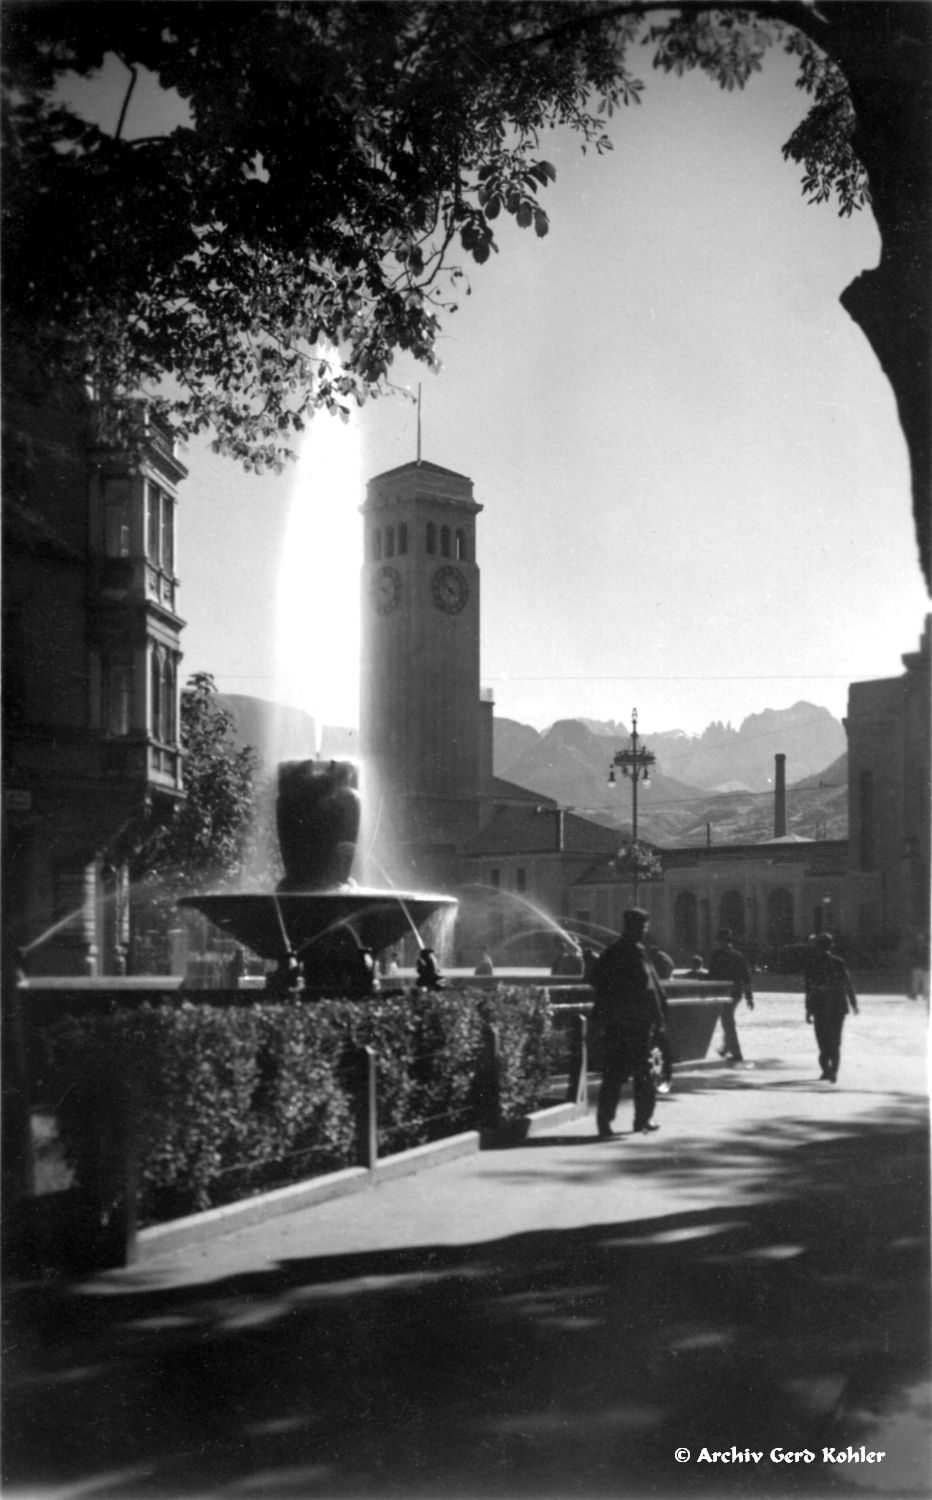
727,964
829,997
630,1007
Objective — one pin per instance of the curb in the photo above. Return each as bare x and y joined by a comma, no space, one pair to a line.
197,1229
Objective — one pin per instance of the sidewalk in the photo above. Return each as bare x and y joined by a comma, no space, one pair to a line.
554,1320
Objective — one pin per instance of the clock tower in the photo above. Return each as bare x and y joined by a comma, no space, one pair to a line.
419,711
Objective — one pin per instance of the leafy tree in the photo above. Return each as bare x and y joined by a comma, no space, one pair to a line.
208,836
332,161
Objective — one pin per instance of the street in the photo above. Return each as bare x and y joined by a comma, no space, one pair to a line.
568,1317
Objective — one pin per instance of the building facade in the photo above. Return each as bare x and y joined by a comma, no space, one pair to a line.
888,727
772,895
519,877
91,646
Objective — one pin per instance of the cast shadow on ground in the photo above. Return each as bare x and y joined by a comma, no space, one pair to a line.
552,1364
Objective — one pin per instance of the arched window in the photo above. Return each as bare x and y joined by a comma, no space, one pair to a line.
118,685
163,692
431,537
160,529
376,544
731,912
460,544
389,541
444,541
116,530
779,917
686,921
170,699
156,693
402,539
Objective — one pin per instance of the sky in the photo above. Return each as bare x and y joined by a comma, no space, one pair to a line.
695,489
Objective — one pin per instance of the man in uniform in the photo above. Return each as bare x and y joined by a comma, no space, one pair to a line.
727,964
629,1008
829,996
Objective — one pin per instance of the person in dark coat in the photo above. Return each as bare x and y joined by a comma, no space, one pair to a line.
829,997
727,964
630,1006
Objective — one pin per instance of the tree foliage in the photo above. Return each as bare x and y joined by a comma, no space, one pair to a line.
207,838
332,168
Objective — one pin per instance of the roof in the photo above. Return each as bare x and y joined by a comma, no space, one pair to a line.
509,791
822,852
540,830
424,467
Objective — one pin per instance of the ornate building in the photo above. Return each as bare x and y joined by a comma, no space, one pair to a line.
91,647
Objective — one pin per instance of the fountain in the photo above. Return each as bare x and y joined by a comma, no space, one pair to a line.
321,929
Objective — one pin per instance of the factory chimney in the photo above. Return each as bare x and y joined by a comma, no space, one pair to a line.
779,797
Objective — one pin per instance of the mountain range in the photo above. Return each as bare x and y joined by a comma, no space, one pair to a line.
714,786
721,759
717,785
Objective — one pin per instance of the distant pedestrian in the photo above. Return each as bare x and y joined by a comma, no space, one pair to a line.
726,963
697,968
629,1011
829,997
919,968
485,965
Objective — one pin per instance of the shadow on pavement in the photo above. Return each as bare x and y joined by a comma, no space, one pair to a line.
553,1364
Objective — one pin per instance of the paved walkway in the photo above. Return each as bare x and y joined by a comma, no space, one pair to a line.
554,1320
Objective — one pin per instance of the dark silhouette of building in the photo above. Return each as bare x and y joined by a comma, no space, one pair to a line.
91,650
888,727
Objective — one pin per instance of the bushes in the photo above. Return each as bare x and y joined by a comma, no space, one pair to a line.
527,1047
230,1101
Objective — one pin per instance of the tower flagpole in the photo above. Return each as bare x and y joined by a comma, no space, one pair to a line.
419,421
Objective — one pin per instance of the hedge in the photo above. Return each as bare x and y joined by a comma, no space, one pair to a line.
229,1101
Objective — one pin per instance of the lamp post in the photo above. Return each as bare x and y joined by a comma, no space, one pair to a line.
635,763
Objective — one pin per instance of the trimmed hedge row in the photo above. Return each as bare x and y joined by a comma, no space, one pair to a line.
228,1102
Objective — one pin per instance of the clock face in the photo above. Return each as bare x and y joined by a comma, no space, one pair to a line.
450,590
385,590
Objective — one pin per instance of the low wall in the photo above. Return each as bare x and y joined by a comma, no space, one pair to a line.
693,1010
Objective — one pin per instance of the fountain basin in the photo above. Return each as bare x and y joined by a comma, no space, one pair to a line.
313,924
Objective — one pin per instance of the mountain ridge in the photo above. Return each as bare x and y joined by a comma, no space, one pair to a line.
715,786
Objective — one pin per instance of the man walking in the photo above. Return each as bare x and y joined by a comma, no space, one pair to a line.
727,964
829,996
630,1006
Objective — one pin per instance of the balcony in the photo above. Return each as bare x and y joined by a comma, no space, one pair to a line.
160,587
145,761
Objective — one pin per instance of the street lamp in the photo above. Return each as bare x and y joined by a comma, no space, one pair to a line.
635,763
